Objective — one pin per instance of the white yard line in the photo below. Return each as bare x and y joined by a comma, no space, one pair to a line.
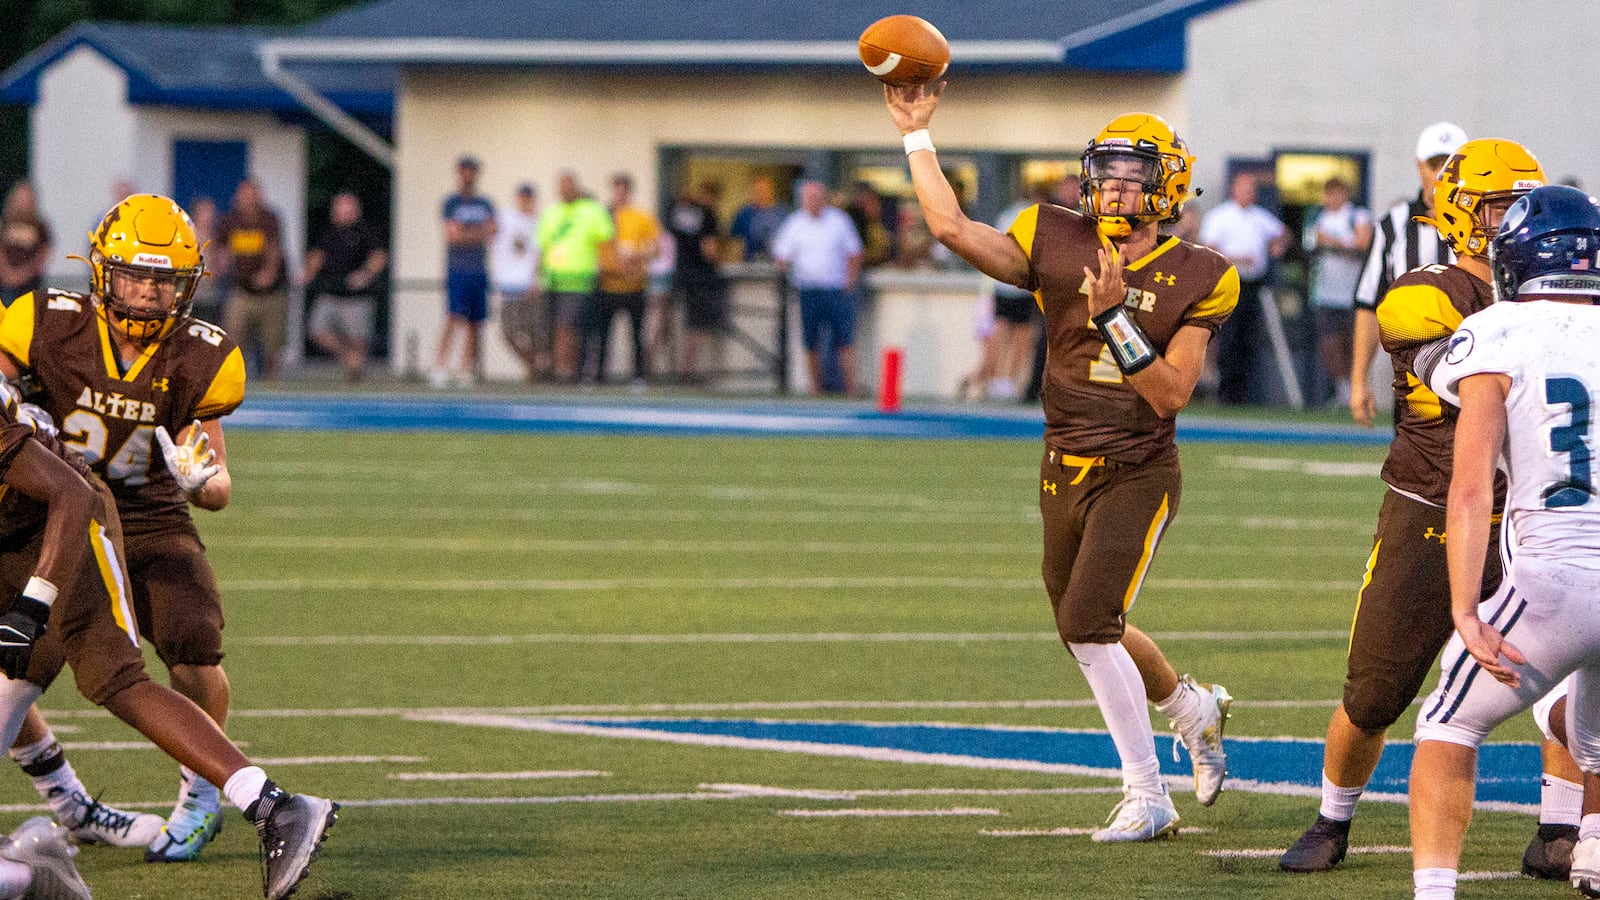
1275,852
1066,832
335,760
832,583
497,776
754,790
887,813
889,637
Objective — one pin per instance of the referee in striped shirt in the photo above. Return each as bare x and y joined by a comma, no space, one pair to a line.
1402,244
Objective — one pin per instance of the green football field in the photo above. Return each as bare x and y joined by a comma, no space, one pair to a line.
412,617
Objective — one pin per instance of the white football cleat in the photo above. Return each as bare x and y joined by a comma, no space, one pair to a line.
1140,816
93,822
1586,867
41,845
1203,739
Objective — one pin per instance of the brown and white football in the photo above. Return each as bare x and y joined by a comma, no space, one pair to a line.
903,50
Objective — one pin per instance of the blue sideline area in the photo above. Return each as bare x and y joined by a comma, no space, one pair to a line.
1506,772
707,417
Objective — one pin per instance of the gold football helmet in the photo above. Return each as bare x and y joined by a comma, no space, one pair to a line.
1136,147
147,264
1476,187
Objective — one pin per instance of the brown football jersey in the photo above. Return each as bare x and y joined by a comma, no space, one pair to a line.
1090,410
110,415
1425,305
21,516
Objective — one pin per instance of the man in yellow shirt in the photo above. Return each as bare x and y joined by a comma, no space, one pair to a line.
624,264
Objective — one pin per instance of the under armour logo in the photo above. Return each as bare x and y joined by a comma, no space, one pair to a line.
1431,535
1168,280
158,384
1050,486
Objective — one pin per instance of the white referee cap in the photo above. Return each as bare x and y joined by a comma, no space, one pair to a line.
1440,139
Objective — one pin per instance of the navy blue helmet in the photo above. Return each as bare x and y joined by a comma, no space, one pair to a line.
1549,243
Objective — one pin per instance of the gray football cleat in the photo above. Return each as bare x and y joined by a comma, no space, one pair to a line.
41,845
292,827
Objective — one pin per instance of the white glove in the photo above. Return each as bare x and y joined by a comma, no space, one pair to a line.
31,414
190,462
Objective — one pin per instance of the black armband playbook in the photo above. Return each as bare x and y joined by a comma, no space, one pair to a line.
1130,347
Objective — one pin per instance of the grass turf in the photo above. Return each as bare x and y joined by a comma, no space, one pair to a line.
375,544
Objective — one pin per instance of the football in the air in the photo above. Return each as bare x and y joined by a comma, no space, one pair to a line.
903,50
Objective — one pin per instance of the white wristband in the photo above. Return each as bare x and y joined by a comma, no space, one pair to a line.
41,590
919,140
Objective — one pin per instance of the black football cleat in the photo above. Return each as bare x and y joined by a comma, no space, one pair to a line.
1322,847
292,827
1549,854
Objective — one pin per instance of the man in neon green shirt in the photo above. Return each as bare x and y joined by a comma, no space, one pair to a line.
570,235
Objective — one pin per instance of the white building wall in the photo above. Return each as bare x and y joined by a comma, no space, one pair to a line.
526,126
1370,74
83,135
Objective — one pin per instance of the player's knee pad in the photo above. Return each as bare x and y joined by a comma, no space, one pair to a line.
1542,710
189,647
1373,707
1452,731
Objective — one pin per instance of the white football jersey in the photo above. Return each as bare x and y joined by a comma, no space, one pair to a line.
1551,351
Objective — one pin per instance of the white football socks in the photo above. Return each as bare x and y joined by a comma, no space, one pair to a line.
1560,801
1339,803
244,786
1119,692
54,778
1434,884
1184,706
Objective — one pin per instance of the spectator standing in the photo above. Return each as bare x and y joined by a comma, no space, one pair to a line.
624,274
24,243
866,211
818,248
658,301
1337,240
342,271
523,322
209,292
257,310
697,281
570,235
469,227
1402,243
1250,237
757,221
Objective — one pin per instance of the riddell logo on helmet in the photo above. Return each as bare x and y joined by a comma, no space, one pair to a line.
152,259
1528,184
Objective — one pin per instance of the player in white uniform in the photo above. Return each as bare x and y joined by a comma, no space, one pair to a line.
1526,377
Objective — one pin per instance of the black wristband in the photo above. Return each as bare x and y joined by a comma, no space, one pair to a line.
1130,347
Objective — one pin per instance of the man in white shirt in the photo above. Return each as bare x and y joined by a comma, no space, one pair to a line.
818,249
1338,242
515,266
1250,237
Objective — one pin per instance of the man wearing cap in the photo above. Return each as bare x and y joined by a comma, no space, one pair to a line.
469,226
1402,244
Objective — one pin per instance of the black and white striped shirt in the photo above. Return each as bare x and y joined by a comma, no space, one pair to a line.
1402,244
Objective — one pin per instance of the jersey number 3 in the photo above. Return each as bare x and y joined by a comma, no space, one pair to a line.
129,465
1572,440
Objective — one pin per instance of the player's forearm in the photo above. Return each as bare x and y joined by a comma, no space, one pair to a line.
1164,386
215,493
71,505
988,250
1466,544
1364,344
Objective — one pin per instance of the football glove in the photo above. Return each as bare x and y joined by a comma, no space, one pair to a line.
20,628
34,415
191,461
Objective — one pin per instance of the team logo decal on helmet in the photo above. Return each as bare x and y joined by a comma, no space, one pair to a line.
1141,148
1548,244
146,263
1476,187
